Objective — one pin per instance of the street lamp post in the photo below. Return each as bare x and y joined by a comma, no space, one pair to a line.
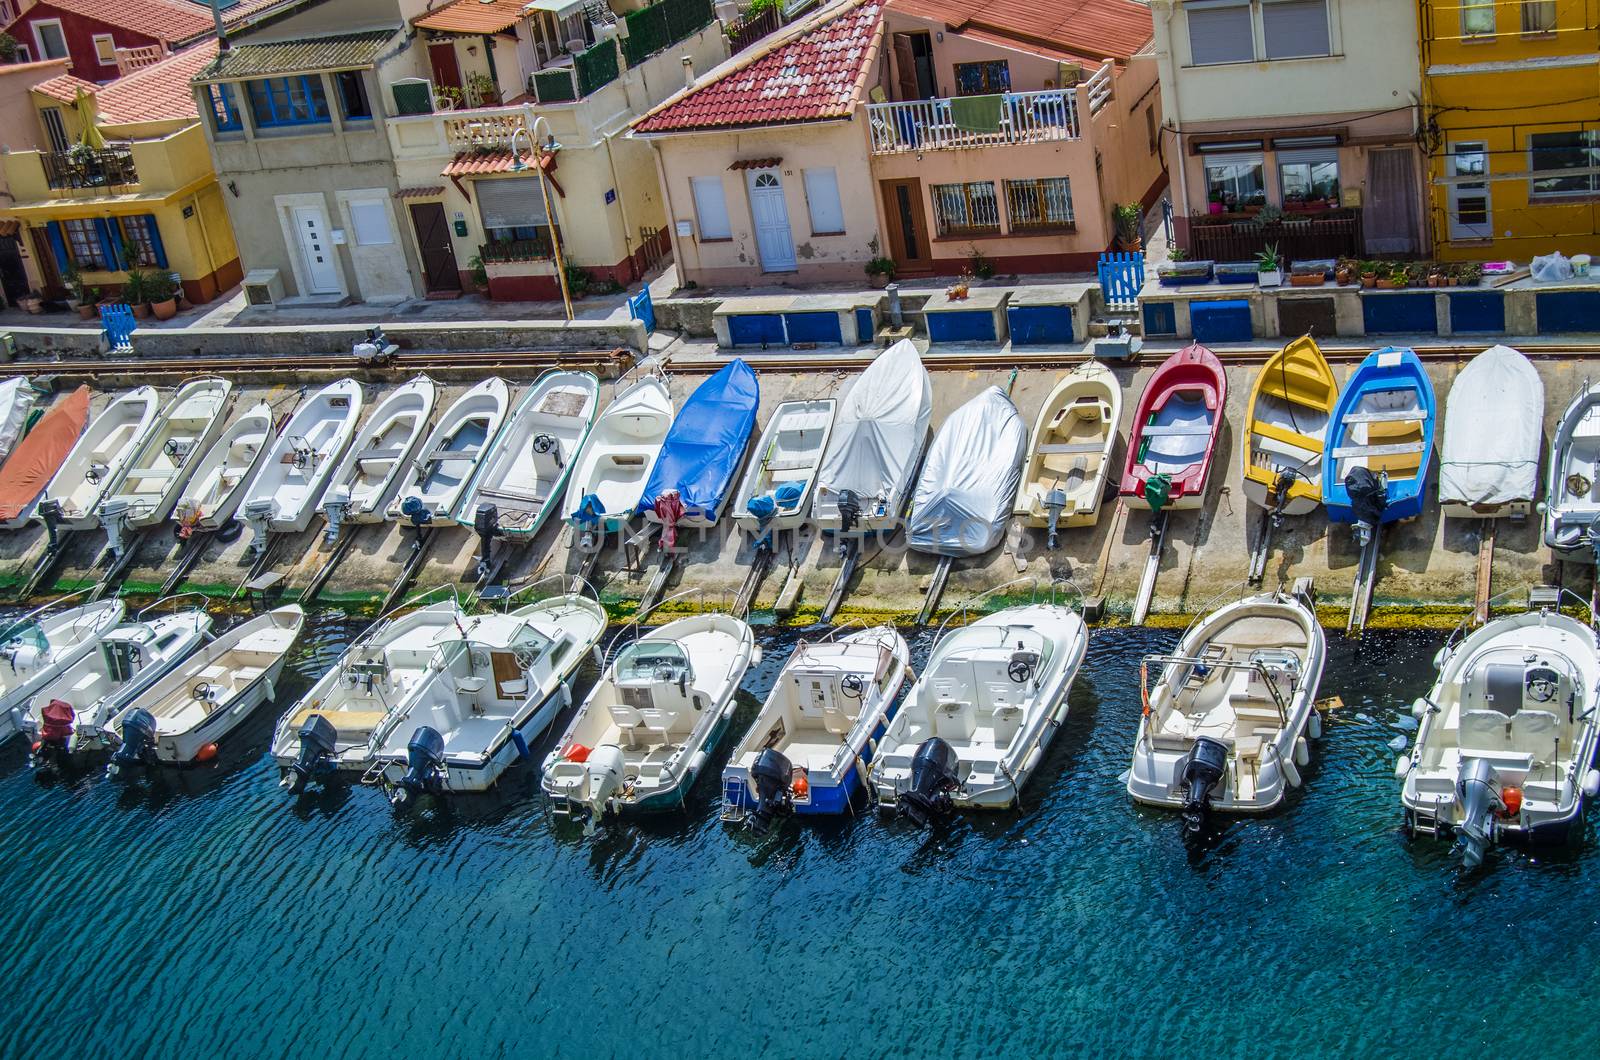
540,150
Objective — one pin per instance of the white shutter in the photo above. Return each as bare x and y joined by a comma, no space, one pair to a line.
711,207
822,198
1219,33
510,202
370,219
1292,29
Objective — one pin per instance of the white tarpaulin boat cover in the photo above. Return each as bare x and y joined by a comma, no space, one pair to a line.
880,427
16,401
1493,425
970,478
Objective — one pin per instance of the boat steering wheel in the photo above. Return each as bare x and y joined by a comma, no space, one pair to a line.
1542,684
543,443
1578,484
853,686
1019,671
204,692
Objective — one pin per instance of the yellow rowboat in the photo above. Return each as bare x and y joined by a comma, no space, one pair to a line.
1070,451
1287,426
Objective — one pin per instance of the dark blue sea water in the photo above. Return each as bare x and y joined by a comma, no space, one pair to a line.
219,917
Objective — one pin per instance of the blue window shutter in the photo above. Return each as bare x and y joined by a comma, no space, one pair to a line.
108,244
155,240
58,245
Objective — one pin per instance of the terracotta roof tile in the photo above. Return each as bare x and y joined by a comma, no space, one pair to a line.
478,163
168,20
473,16
1099,29
159,92
65,88
341,51
810,75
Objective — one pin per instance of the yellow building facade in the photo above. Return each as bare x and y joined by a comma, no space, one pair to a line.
1510,123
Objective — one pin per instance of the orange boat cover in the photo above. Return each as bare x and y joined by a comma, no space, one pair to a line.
40,454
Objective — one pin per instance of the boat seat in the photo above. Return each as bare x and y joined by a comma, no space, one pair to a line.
1409,414
379,454
346,721
1247,747
1536,732
954,721
245,674
1285,435
1484,730
1180,430
444,454
86,684
837,721
1068,448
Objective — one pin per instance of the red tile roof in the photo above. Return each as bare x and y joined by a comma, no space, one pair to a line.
473,16
1103,29
808,75
477,163
65,88
159,92
168,20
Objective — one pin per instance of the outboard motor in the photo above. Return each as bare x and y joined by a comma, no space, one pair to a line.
849,516
424,767
55,735
486,524
1479,803
416,512
50,511
334,507
933,778
376,349
114,518
1055,502
258,515
765,509
1202,771
770,776
603,779
1278,495
1594,540
587,519
318,741
138,744
1369,496
669,509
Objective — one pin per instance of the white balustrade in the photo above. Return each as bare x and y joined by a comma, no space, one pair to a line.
927,125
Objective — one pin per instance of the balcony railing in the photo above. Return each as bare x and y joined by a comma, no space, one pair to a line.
506,251
930,124
483,129
78,168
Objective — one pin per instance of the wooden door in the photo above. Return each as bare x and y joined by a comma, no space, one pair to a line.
438,254
908,235
905,68
446,71
45,258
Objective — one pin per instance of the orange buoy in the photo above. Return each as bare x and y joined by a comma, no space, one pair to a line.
576,752
1512,797
206,753
801,786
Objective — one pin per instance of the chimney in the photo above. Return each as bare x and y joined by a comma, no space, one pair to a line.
688,71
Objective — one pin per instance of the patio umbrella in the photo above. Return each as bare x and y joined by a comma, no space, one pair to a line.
88,119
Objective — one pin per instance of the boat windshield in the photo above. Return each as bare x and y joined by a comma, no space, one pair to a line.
652,660
26,634
530,646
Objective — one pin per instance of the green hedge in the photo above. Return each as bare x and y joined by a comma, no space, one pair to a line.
662,25
597,67
554,86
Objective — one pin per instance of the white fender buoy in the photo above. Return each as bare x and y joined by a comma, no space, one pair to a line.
1591,783
1302,753
1419,707
755,655
1402,766
1290,773
1032,760
1314,724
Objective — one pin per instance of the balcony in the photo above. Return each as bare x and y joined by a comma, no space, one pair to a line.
931,125
80,168
514,251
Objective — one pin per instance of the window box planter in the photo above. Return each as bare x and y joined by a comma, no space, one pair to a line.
1320,266
1184,273
1238,272
1270,277
1307,279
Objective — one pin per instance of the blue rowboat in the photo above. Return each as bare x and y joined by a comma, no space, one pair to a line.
1384,423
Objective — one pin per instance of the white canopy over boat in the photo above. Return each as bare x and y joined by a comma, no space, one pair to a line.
878,435
17,397
970,478
1493,430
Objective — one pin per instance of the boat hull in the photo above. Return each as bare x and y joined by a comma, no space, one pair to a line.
1286,427
1384,373
1175,429
1063,435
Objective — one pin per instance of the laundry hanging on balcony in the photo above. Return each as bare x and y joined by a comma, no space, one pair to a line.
980,114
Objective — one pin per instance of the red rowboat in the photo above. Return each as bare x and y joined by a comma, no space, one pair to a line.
1175,431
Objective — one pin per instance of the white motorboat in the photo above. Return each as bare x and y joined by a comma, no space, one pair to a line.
969,479
1069,455
878,438
779,485
329,731
36,648
975,726
1485,474
17,399
609,472
150,484
808,750
1506,744
97,461
525,472
68,716
181,717
446,461
1226,726
223,473
647,727
1572,495
284,494
496,685
384,449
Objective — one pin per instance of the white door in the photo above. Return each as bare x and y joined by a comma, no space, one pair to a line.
316,252
771,216
1470,214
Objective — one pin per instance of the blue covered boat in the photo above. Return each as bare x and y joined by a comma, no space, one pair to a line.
694,474
1380,440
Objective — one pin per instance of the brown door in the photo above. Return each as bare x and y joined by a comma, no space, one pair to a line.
439,272
908,236
45,259
446,71
905,68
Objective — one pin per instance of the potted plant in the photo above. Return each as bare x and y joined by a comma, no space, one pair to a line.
1237,272
162,292
1369,273
880,271
578,281
1125,220
133,292
1184,273
1471,274
1270,266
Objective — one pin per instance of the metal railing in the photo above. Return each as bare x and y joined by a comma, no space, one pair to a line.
517,250
1100,87
111,167
929,124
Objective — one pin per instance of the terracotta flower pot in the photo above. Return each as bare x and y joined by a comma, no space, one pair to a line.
165,310
1369,280
87,312
141,311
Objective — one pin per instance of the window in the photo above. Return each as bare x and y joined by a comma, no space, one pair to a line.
84,245
369,219
512,211
1042,203
8,12
105,49
224,108
1469,200
1551,153
1234,182
54,128
1477,18
1150,128
1294,29
1220,32
711,208
52,42
295,100
1309,178
1538,16
140,237
966,209
24,54
353,95
822,200
982,79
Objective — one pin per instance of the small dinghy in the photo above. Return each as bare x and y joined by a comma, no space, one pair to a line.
1070,454
224,472
525,472
1226,725
1506,744
446,461
808,750
38,456
970,478
68,716
385,447
705,447
1174,433
609,472
498,683
1380,441
1486,474
17,399
1286,428
777,490
36,648
283,497
181,717
647,727
975,726
329,731
1572,501
878,437
95,465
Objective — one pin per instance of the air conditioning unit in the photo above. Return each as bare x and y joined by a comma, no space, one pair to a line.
263,287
